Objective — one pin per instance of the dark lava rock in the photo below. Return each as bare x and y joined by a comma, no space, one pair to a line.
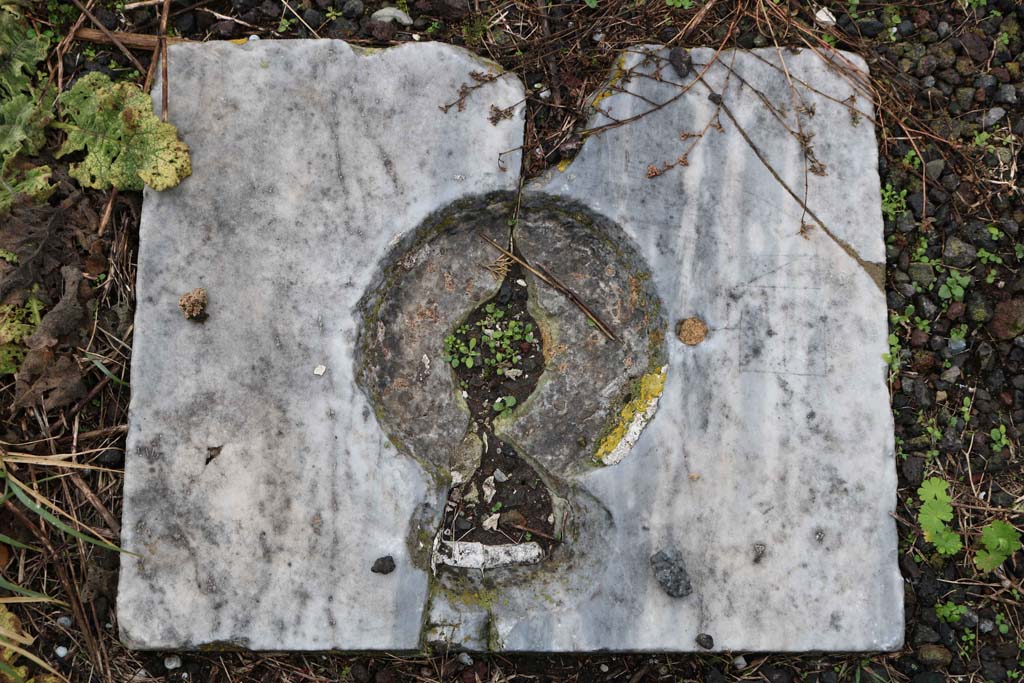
225,29
383,565
870,27
352,9
705,641
913,471
975,45
341,28
934,656
979,309
670,572
933,169
775,675
681,61
105,17
185,23
1008,319
359,673
451,10
922,273
958,253
924,634
383,30
112,457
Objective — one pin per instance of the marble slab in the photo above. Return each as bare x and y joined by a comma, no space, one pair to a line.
258,494
750,508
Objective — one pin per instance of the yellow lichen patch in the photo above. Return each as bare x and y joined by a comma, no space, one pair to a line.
648,391
564,164
617,73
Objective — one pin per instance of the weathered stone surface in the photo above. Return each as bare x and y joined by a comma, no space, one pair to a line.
769,463
311,159
766,474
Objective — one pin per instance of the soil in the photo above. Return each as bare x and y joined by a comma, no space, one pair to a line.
481,385
504,484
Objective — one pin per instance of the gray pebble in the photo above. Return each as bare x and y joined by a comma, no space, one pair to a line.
1006,94
992,117
670,572
388,14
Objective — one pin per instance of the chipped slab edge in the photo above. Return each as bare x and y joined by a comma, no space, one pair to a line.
473,555
635,416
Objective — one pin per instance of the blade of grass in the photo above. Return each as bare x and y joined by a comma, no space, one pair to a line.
21,495
23,601
15,544
29,596
106,371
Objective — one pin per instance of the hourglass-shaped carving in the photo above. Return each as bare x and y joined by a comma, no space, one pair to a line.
501,386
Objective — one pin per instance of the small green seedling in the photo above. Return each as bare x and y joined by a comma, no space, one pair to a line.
950,612
999,439
936,510
503,404
954,286
894,202
1001,540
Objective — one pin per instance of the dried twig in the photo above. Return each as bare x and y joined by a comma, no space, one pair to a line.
553,282
114,39
137,41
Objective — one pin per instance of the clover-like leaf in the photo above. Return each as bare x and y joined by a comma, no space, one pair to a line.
126,144
1000,540
947,542
933,488
1000,536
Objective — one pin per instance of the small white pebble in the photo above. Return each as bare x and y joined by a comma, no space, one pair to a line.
60,651
319,370
465,659
825,17
740,662
416,37
172,662
253,37
64,622
521,282
604,668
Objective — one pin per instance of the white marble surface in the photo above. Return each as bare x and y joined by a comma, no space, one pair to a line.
309,158
775,431
769,462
